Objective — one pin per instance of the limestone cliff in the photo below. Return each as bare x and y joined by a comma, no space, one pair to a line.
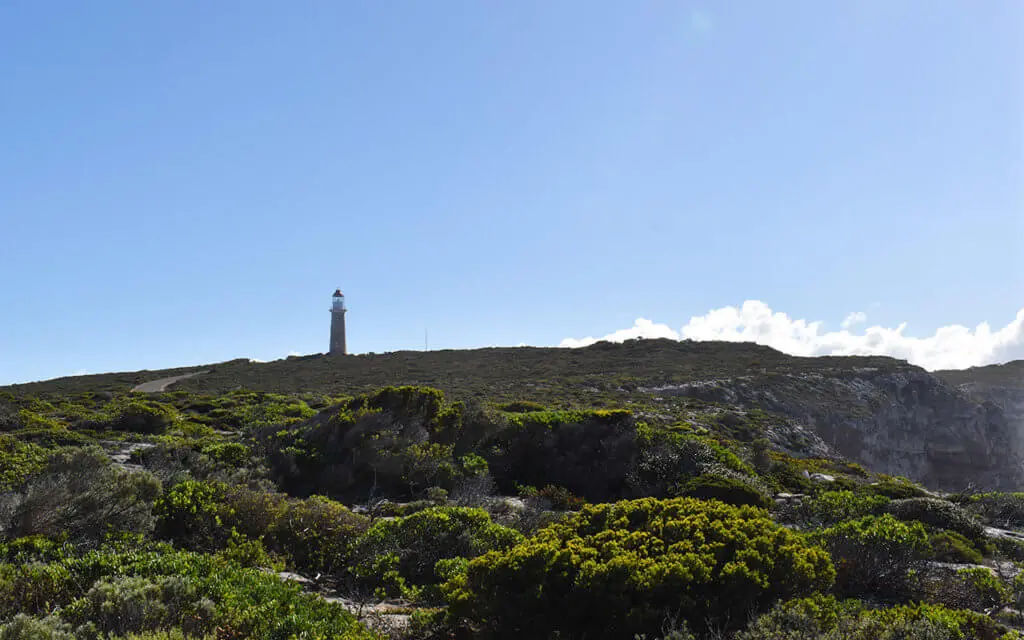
908,422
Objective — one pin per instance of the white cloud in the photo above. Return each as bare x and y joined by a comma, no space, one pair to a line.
951,347
853,319
643,328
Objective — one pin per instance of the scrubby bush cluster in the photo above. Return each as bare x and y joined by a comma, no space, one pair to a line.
618,569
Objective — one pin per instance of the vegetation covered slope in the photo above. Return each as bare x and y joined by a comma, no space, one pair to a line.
497,373
416,515
597,495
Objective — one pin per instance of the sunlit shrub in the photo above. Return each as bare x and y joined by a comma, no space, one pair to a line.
402,553
938,513
873,555
614,570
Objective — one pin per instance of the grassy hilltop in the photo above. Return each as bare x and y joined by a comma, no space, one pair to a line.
486,373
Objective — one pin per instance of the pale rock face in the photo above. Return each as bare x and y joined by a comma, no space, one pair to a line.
908,423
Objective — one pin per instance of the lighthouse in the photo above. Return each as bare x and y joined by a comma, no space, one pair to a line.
338,324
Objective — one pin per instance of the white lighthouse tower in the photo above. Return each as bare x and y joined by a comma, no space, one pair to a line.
338,324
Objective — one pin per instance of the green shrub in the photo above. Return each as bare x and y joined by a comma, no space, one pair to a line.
989,591
614,570
19,460
727,489
897,488
823,618
1009,548
134,585
590,453
999,509
831,507
33,588
521,406
402,553
142,417
873,555
81,496
317,535
189,513
128,604
23,627
960,623
938,513
232,454
559,498
950,546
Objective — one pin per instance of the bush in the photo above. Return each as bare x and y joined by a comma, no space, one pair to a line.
23,627
590,453
402,553
824,618
133,603
959,623
999,509
232,454
726,489
831,507
19,460
897,488
950,546
80,495
558,498
521,406
189,514
317,535
940,514
975,588
615,570
142,417
874,554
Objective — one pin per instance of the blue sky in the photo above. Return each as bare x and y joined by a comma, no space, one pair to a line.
187,182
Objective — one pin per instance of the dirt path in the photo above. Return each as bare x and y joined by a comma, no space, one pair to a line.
159,386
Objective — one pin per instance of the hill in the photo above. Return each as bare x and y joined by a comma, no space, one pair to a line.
493,372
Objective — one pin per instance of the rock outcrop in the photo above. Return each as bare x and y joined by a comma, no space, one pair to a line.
909,422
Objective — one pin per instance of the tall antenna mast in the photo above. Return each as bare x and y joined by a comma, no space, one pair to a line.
426,340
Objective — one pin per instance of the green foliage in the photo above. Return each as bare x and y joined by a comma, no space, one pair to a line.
999,509
938,513
405,404
590,453
317,535
397,554
558,498
124,604
24,627
614,570
727,489
824,618
233,454
80,495
18,460
521,406
831,507
950,546
979,589
189,513
961,623
141,417
897,488
872,555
